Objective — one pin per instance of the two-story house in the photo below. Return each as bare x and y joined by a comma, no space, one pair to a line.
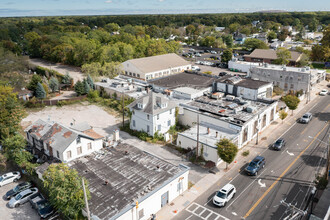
152,113
57,141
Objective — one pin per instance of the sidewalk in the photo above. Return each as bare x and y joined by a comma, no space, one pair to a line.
266,137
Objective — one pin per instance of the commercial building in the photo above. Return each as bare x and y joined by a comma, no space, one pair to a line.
148,68
126,183
56,141
152,113
244,87
288,78
235,118
269,56
184,85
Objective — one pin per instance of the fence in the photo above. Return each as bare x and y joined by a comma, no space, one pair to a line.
54,102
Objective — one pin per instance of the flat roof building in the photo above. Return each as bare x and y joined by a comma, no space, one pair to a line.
153,67
269,56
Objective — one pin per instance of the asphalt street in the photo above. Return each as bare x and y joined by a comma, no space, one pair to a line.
288,175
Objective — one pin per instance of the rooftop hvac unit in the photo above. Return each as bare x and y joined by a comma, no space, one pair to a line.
303,70
265,64
250,109
308,68
230,97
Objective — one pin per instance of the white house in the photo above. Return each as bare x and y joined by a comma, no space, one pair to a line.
147,68
244,87
54,140
152,113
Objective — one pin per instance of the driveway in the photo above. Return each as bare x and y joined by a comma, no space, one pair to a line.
104,124
23,212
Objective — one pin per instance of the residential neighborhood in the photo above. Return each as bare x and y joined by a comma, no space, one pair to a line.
166,113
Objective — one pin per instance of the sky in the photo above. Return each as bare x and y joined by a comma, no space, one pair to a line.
17,8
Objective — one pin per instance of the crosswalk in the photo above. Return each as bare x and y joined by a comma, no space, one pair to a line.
203,212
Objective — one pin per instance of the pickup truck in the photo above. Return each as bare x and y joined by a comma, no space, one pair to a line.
36,198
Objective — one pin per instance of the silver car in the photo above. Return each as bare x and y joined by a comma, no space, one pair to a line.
22,197
306,118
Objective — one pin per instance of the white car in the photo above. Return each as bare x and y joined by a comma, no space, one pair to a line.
213,52
198,55
9,178
22,197
222,197
324,92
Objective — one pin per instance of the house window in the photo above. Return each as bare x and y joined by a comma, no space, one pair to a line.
68,154
79,150
148,117
78,140
158,117
159,127
133,123
138,75
141,213
89,146
58,154
179,186
125,72
148,128
169,123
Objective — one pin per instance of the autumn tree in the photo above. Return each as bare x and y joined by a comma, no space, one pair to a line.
283,114
11,112
65,189
291,101
227,150
283,56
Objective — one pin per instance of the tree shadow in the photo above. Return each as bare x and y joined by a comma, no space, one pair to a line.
322,116
313,160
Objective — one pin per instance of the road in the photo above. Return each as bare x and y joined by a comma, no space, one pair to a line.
288,175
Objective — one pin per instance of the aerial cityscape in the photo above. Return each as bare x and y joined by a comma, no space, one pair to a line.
163,109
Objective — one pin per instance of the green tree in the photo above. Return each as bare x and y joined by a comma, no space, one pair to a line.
111,27
253,43
283,56
291,101
271,35
40,91
227,150
65,189
53,84
34,82
11,112
228,39
303,60
66,79
283,115
3,162
15,150
226,55
79,88
233,27
90,81
87,88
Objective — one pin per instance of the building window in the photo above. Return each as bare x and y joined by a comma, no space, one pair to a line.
148,117
148,128
159,127
141,213
133,123
170,111
158,117
179,186
125,72
169,123
89,146
68,154
291,86
78,140
180,143
58,154
138,75
79,150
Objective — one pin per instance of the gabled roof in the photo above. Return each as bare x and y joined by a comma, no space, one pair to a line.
271,54
38,129
157,63
150,103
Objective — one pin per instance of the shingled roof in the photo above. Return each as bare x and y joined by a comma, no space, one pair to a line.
271,54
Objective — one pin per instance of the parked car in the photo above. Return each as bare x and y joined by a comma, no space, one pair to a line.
279,143
222,73
222,197
255,165
44,208
198,55
207,51
306,118
324,92
195,68
213,52
22,197
19,188
35,199
9,178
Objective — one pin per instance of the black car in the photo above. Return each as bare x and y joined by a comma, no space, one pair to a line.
44,208
222,73
279,144
19,188
255,165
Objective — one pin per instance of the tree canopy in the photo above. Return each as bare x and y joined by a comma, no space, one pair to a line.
253,43
291,101
283,56
227,150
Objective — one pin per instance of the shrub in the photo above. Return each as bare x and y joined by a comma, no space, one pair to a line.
245,153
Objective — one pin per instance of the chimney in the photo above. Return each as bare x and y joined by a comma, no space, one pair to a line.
116,135
208,130
216,134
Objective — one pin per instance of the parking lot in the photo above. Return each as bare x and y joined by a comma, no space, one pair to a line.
23,212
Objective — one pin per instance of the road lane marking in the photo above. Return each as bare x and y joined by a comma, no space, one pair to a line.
245,189
261,184
291,154
305,129
189,217
280,177
204,209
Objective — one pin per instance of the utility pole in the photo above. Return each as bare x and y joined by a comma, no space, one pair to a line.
295,212
197,135
257,140
122,103
86,202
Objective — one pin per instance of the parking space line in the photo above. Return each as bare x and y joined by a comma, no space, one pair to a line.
205,209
